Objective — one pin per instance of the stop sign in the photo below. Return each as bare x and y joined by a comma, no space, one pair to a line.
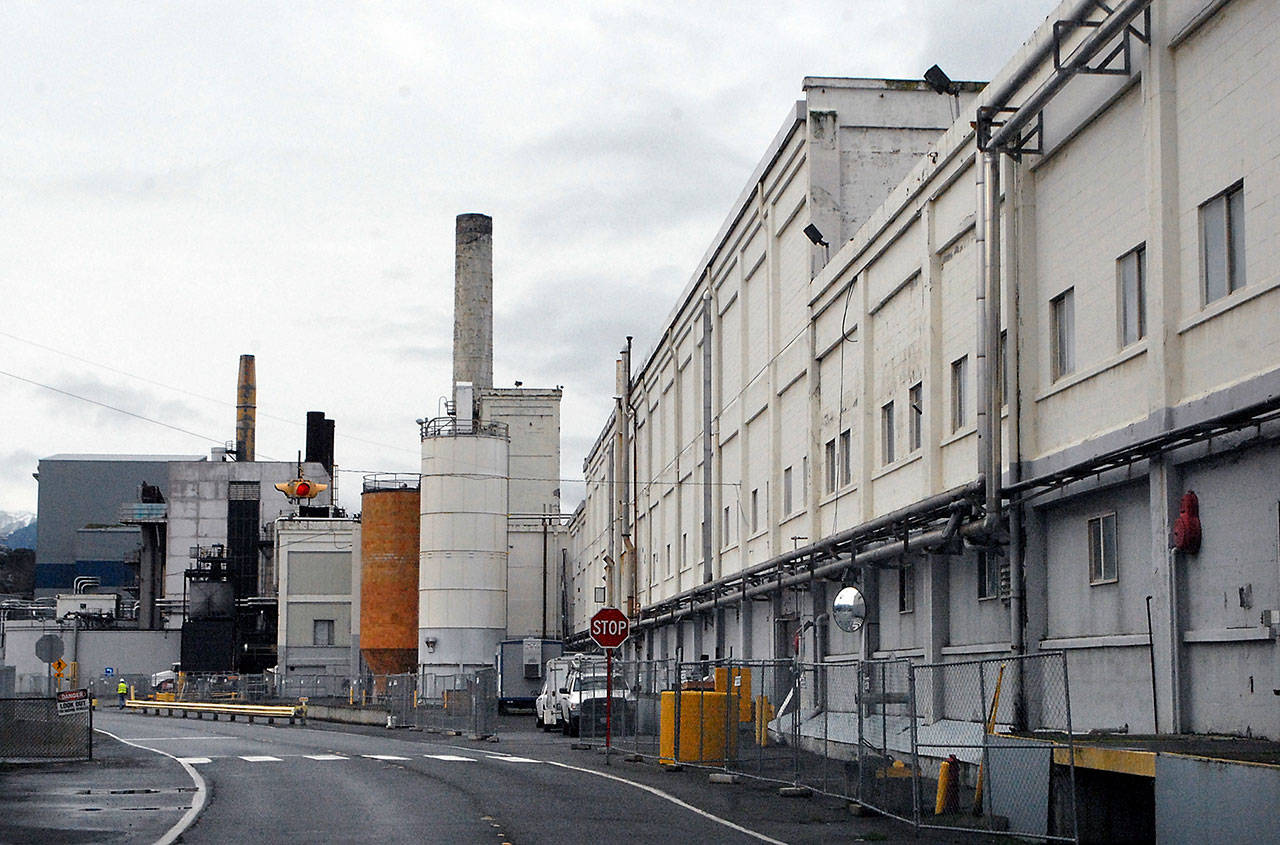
610,627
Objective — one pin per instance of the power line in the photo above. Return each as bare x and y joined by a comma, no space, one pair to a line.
109,407
184,391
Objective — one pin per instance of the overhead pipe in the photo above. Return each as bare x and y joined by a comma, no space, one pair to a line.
927,541
1110,26
826,547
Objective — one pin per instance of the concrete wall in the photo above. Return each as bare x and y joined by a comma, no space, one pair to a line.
318,562
126,652
197,506
1199,800
533,419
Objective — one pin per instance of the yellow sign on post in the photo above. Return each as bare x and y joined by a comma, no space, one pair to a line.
59,666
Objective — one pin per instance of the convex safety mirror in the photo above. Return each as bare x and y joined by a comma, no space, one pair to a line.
849,610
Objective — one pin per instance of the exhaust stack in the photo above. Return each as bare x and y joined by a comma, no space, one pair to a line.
473,301
246,409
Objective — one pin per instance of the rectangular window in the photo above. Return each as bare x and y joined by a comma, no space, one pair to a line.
668,560
1132,267
906,588
886,433
321,632
787,503
684,552
804,475
958,391
1062,333
1222,243
726,528
988,575
915,416
846,458
831,466
1102,549
755,510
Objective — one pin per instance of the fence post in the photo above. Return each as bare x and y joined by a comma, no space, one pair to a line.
1071,749
915,751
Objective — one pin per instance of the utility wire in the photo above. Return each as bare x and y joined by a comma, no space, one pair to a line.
118,410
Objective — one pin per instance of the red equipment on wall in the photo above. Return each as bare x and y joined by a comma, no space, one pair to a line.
1186,529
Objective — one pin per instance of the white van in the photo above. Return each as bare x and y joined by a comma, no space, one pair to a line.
546,707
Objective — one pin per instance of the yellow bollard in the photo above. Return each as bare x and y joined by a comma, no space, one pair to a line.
948,797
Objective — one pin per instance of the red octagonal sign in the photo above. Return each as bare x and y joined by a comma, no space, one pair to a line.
610,627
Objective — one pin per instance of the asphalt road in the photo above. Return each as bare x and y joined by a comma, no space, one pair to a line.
231,781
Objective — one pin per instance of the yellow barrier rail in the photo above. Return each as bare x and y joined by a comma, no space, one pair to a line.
270,712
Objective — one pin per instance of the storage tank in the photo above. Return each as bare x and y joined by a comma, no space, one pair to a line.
390,521
462,571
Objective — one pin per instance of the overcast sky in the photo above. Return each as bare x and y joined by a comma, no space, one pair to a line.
183,183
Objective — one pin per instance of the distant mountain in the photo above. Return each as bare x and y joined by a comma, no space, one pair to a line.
18,530
23,538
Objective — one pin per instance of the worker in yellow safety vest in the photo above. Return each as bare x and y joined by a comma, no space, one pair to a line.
122,689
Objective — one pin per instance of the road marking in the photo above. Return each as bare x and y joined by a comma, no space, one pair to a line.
194,760
259,758
325,757
674,800
506,758
197,804
450,758
383,757
173,738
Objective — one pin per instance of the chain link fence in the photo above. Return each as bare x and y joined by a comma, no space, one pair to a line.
981,745
32,729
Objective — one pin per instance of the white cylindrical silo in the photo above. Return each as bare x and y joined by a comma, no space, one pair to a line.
462,572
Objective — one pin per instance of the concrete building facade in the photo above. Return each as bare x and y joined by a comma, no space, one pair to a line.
319,566
1136,359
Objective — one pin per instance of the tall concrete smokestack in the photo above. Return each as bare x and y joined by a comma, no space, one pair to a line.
473,301
246,408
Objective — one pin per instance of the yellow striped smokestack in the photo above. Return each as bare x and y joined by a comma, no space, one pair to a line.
246,408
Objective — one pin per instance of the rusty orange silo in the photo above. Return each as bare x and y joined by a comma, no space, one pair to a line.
390,524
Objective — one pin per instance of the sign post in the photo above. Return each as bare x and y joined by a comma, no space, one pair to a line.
610,629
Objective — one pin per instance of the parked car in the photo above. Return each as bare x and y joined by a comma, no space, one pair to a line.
546,706
583,698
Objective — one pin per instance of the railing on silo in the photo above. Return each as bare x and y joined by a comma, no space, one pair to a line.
377,481
453,427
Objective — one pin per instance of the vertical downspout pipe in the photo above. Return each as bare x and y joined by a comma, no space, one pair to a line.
989,336
980,240
707,570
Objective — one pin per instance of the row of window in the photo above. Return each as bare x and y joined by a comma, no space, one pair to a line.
1222,265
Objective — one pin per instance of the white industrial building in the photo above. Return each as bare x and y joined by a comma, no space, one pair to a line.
318,569
491,537
1089,259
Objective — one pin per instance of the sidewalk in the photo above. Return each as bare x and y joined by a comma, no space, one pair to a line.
124,794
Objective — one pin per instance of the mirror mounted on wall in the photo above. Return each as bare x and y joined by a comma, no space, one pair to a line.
849,610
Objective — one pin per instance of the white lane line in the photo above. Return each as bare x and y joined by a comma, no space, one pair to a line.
450,758
674,800
325,757
383,757
173,738
194,760
506,758
197,804
259,758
